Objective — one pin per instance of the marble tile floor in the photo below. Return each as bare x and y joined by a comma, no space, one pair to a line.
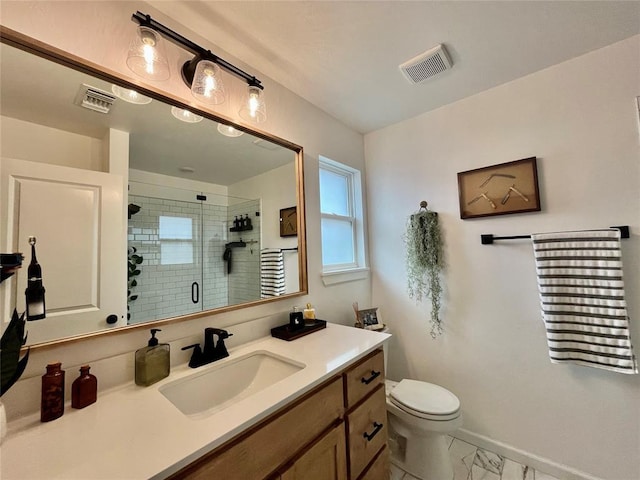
474,463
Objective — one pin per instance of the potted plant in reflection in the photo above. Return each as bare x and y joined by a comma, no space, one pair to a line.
133,270
11,365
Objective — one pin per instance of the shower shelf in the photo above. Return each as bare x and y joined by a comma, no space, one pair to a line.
241,229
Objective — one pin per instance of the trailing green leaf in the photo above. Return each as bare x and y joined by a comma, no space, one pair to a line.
11,365
424,260
133,260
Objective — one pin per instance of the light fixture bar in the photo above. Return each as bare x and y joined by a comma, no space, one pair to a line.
200,53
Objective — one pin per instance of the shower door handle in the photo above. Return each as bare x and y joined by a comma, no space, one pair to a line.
195,292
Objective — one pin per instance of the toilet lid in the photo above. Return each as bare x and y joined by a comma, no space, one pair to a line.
425,398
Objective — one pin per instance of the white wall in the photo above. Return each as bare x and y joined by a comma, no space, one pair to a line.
100,32
29,141
580,119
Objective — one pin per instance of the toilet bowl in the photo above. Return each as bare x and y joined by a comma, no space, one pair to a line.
421,415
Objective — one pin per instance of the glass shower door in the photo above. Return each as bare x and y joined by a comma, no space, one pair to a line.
167,234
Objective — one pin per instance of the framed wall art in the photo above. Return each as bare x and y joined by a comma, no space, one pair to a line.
510,187
289,222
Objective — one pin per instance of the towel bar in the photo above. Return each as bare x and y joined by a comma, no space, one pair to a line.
488,238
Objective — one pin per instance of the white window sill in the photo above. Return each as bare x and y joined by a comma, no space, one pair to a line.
342,276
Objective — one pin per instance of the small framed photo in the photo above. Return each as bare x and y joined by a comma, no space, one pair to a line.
501,189
369,319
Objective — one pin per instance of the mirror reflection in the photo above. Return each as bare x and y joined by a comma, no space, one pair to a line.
200,210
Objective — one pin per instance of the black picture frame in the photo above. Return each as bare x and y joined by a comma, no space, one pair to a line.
500,189
289,222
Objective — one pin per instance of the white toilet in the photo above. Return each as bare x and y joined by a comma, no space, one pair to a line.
420,416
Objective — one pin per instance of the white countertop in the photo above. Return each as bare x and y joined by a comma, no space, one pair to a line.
134,432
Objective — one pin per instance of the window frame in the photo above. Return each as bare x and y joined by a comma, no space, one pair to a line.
358,269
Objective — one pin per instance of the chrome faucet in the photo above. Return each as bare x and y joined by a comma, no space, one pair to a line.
212,351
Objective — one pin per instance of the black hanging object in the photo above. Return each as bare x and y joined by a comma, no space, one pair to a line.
489,238
35,290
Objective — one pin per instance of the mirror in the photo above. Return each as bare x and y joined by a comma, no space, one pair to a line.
200,212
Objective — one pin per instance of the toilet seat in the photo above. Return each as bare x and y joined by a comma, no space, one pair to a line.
425,400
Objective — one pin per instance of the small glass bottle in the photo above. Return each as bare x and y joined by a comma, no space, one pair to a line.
84,389
52,404
35,290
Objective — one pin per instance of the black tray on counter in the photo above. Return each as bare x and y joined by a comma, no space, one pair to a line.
284,332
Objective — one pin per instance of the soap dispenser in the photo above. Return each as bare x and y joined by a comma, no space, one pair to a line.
152,361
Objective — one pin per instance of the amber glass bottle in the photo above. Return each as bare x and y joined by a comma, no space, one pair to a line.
52,405
84,389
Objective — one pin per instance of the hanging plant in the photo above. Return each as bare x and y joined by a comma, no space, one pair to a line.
133,260
425,262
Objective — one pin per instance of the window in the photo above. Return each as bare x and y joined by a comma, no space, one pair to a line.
176,240
341,219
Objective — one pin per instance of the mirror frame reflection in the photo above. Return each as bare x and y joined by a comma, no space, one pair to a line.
34,47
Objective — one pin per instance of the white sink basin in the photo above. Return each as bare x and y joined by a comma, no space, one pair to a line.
219,386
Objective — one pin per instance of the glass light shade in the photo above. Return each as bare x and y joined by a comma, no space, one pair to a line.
146,57
207,85
130,96
185,115
229,131
254,108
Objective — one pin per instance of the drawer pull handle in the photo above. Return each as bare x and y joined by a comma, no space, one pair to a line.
377,428
373,376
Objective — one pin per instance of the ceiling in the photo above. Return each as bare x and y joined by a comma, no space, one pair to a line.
343,56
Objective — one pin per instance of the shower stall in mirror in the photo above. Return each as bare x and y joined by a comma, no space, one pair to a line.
189,252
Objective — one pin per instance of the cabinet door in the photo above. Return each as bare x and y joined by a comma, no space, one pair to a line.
324,460
77,218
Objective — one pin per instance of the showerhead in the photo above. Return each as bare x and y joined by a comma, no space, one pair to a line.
133,209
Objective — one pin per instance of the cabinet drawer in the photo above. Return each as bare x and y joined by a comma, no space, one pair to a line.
367,431
364,378
261,451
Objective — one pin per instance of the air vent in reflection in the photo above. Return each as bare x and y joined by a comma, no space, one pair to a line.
94,99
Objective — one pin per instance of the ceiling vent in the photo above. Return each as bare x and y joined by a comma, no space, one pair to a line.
426,65
94,99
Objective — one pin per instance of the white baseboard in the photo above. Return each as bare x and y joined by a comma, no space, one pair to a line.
545,465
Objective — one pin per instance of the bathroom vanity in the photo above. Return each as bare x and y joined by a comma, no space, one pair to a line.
327,419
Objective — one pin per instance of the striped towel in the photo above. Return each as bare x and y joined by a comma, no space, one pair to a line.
582,298
271,273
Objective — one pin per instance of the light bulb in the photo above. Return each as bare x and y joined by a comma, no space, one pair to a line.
207,85
130,96
185,115
146,56
254,108
229,131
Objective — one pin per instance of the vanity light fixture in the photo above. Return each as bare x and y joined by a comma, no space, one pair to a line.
185,115
229,131
201,73
130,96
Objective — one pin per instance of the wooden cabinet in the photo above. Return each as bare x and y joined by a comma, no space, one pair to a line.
264,449
366,418
336,432
325,460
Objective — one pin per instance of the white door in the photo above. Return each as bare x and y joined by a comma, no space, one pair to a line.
76,217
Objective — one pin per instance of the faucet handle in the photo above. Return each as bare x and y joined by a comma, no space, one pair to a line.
196,357
222,334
